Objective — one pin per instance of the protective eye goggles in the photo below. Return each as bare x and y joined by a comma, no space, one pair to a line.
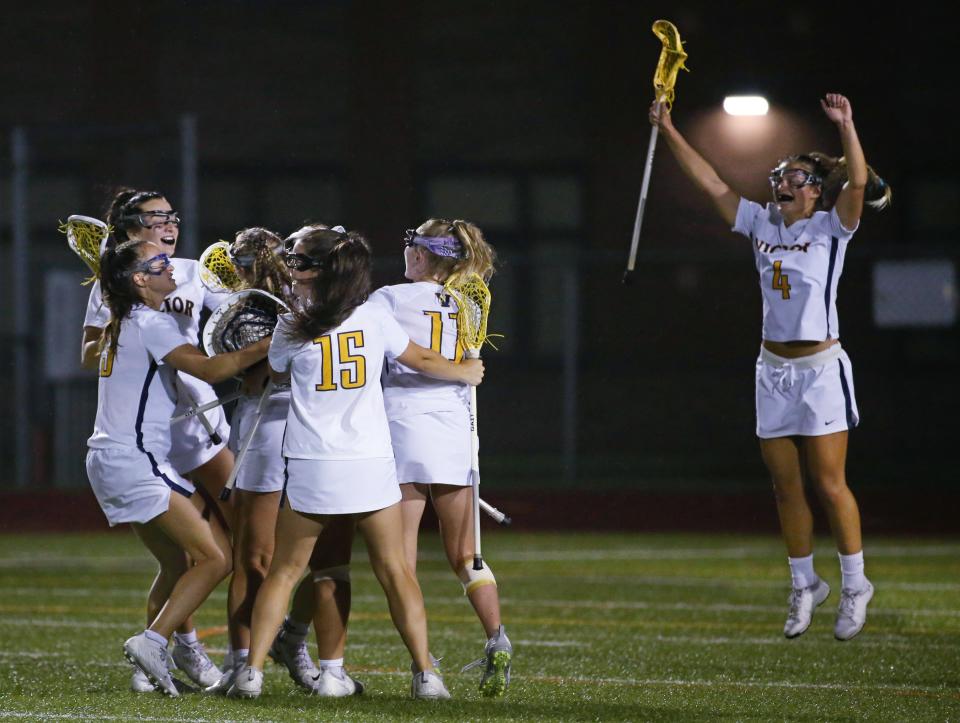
154,266
151,219
795,177
300,262
244,261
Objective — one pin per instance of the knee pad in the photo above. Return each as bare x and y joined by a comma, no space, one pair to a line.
472,579
339,573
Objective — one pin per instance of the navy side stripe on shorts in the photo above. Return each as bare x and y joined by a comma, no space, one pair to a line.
834,247
144,394
848,403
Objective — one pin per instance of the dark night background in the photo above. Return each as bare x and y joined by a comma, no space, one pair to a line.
528,118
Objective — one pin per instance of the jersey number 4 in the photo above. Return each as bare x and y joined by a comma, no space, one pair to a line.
352,376
780,281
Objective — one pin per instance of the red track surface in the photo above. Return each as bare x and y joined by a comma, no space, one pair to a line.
931,513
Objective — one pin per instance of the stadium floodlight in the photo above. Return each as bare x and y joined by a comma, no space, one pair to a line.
746,105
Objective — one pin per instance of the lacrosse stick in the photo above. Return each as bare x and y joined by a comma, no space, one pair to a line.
217,271
87,238
244,318
206,407
202,418
232,479
671,60
498,516
473,307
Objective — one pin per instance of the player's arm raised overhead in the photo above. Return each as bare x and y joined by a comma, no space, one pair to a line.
696,166
850,201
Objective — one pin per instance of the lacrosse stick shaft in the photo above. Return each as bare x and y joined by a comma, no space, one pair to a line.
499,517
475,469
245,445
208,428
194,411
648,167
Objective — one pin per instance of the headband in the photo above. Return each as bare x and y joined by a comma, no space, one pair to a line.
448,246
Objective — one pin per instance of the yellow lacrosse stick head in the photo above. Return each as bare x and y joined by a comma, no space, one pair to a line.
217,270
473,308
86,237
671,60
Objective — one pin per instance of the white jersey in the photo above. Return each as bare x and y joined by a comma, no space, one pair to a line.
184,305
429,317
799,269
136,393
336,406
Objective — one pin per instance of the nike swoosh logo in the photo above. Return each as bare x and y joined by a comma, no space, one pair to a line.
830,422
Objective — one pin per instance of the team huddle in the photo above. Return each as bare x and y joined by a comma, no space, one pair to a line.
353,410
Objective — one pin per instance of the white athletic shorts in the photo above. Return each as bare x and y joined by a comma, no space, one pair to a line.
262,468
432,448
133,486
809,396
341,486
190,445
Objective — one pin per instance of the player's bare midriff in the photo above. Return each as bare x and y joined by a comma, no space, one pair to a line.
797,349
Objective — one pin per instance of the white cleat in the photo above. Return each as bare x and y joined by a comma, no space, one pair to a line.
498,654
196,664
335,683
140,683
296,658
852,613
802,604
428,685
226,681
151,658
248,683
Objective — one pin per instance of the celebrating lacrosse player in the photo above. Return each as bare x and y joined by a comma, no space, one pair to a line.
804,384
257,429
430,424
339,461
128,466
199,444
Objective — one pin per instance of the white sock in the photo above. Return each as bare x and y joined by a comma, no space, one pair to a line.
334,664
240,657
295,632
186,639
155,637
851,571
801,570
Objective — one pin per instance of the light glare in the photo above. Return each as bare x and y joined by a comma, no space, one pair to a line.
746,105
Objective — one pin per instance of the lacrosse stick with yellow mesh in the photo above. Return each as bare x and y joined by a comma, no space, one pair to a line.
87,238
217,270
671,60
473,308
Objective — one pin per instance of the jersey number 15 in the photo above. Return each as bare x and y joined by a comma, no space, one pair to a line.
352,376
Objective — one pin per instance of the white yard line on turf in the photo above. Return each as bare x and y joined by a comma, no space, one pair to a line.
716,607
36,715
848,687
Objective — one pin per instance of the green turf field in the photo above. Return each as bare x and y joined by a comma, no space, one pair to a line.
605,627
